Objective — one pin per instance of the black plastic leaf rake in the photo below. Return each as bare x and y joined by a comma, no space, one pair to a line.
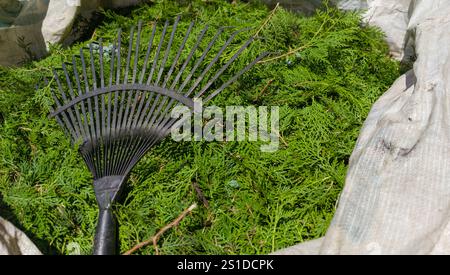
115,101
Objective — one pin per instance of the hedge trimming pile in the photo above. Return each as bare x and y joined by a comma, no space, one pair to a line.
325,73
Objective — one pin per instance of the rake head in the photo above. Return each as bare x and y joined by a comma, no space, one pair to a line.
115,101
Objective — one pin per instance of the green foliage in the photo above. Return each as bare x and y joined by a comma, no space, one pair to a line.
325,73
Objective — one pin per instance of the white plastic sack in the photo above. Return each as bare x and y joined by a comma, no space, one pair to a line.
392,17
396,198
27,27
20,37
15,242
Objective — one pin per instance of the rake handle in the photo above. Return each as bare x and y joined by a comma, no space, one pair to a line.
106,191
105,241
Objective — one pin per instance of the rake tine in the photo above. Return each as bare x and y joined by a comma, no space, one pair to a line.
137,156
168,48
158,111
103,110
72,96
167,125
125,81
162,122
137,93
136,51
225,85
141,119
147,143
108,117
130,50
102,85
88,135
111,64
202,57
224,67
130,113
71,119
88,162
69,83
141,146
200,78
205,52
116,93
241,72
144,146
188,59
138,145
125,111
180,49
119,44
66,125
159,136
94,75
135,148
90,113
61,90
149,48
141,77
97,113
52,110
63,126
147,122
102,79
80,92
174,83
114,126
155,61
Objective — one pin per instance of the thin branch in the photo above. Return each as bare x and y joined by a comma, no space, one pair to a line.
283,140
263,89
93,35
200,195
285,54
267,20
310,43
37,68
156,237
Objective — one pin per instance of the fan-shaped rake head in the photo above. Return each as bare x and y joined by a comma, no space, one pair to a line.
115,100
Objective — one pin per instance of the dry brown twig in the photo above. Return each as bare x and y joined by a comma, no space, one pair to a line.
267,20
200,194
154,239
264,89
309,44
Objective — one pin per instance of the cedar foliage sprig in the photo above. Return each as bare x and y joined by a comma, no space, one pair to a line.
325,73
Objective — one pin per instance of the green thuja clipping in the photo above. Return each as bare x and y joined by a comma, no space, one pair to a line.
324,71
